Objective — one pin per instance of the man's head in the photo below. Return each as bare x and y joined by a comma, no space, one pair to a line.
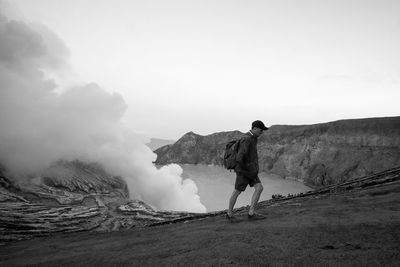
257,127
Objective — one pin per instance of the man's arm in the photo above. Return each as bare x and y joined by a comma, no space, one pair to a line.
243,149
243,166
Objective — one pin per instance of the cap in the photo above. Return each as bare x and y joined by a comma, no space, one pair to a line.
259,124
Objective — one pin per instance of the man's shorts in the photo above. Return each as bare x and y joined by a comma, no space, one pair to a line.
242,181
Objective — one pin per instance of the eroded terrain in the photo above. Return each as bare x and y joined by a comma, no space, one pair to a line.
71,197
356,223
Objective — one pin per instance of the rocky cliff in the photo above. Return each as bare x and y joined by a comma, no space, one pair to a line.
196,149
319,154
70,197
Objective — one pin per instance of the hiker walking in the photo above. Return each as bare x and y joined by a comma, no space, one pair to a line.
247,170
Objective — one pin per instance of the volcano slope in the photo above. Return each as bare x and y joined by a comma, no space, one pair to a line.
356,223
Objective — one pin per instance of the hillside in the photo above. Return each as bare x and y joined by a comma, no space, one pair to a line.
356,223
318,155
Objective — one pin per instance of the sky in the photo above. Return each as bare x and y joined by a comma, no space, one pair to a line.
212,66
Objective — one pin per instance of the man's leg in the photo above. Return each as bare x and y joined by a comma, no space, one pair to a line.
232,201
258,188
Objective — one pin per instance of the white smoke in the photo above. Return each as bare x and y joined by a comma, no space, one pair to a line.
39,124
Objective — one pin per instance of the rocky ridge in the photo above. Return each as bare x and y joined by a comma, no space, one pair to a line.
318,155
156,143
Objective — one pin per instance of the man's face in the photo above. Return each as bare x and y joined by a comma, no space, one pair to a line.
257,131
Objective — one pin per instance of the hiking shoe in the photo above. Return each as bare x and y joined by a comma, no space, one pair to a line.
232,218
256,216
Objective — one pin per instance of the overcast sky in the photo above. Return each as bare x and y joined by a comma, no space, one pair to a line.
210,66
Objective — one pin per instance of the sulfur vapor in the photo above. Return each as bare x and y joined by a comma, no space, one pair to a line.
40,124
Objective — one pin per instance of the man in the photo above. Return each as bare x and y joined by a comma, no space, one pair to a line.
247,170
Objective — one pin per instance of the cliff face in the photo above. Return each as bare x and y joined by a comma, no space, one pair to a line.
319,154
196,149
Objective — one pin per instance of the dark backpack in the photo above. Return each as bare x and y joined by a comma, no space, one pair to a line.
231,150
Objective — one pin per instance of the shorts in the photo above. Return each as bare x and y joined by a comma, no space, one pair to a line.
242,182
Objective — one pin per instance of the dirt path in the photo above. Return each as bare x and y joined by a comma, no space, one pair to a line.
358,228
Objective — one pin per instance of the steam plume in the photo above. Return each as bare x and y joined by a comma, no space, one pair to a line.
40,125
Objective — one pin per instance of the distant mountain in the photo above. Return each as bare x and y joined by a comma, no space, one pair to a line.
319,154
156,143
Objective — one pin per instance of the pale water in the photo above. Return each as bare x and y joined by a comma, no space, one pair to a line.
215,185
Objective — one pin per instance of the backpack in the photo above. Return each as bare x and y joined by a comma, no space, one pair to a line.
231,150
